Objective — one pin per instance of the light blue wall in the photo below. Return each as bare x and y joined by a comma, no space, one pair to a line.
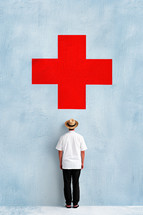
31,124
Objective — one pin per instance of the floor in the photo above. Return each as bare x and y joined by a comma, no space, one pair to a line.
82,210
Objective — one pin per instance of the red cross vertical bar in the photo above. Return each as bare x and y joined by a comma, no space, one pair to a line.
72,71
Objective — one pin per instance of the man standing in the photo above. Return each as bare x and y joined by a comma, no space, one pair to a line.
71,147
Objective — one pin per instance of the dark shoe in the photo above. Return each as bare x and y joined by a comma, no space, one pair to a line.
68,206
75,206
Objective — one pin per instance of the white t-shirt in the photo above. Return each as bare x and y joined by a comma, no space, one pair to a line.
71,144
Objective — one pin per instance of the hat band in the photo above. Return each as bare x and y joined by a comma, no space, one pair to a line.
71,125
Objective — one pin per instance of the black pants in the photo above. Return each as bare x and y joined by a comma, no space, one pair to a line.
73,174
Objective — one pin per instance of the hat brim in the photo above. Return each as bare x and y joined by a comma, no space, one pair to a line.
71,127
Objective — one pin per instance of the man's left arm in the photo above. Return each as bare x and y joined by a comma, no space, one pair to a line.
82,159
60,158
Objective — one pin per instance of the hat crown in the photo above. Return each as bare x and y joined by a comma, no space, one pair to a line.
71,122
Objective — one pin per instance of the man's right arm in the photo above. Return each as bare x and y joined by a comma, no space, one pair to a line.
60,158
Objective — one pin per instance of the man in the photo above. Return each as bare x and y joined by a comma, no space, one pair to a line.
71,147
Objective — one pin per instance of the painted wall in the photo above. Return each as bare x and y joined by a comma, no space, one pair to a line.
31,124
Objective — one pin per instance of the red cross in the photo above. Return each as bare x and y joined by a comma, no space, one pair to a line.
72,71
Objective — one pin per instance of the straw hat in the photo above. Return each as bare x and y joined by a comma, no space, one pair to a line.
71,123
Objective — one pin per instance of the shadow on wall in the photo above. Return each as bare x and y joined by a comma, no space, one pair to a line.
56,195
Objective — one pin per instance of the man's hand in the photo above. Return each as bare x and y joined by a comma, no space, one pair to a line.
61,166
82,166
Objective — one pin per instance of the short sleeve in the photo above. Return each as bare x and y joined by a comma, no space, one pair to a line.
59,145
82,145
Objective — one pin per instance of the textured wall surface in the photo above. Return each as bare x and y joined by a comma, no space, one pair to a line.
31,124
